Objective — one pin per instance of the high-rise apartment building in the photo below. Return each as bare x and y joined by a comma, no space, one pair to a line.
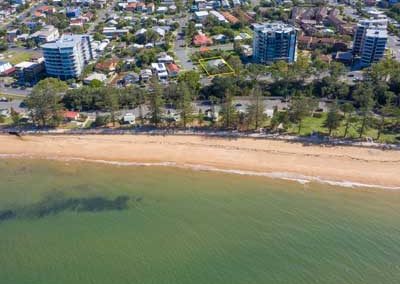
362,27
273,42
67,57
373,48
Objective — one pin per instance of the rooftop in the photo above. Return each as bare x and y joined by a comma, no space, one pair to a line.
376,33
66,41
275,27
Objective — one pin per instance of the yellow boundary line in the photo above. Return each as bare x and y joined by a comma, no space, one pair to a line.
203,60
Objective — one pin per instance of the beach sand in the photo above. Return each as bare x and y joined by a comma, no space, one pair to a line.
272,158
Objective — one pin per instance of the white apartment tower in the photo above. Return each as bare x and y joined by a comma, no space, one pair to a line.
67,57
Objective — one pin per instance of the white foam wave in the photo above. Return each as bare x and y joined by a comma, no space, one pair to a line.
302,179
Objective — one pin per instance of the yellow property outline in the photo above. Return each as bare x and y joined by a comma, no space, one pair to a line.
203,60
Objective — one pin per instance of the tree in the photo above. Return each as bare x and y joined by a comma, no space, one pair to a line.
301,107
255,111
228,111
3,45
385,110
348,110
44,102
363,95
192,80
332,121
184,103
155,102
110,100
15,116
279,118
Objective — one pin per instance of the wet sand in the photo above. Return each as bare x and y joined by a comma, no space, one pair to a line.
342,165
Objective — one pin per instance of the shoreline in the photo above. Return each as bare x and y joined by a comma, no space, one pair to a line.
334,165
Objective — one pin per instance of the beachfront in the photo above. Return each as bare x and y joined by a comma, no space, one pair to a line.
282,159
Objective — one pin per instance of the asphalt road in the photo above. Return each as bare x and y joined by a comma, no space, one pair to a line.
101,16
393,42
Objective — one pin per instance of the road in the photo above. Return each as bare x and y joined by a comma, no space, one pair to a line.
101,16
23,15
14,91
180,47
393,42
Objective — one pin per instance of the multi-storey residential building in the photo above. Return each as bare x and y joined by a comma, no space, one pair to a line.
67,57
273,42
48,33
30,72
373,48
361,31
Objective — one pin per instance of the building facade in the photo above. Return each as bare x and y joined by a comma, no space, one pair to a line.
30,72
374,45
67,57
361,31
273,42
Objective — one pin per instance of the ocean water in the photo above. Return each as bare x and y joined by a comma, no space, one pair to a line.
77,222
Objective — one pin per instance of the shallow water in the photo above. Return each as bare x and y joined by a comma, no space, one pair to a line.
183,226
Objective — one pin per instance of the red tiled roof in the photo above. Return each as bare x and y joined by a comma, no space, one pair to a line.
202,39
107,65
231,18
8,71
70,114
172,67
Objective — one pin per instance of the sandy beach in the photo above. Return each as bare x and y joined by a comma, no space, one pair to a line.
269,157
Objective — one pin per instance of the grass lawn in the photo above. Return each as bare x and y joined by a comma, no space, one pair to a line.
15,57
316,124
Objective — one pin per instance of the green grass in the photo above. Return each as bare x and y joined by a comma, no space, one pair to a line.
15,57
316,124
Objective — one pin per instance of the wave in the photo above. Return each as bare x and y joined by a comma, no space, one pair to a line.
302,179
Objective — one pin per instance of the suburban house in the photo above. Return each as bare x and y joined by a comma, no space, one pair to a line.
107,66
201,39
71,115
173,69
160,70
95,77
6,68
46,34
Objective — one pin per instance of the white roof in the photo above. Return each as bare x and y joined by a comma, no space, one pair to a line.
96,76
24,64
159,67
201,14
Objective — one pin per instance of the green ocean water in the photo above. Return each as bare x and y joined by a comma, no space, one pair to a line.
183,226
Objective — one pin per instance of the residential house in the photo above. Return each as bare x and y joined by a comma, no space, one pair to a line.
160,70
6,68
73,12
200,15
145,74
107,66
12,35
95,77
46,34
201,40
71,116
231,18
113,32
165,58
173,69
